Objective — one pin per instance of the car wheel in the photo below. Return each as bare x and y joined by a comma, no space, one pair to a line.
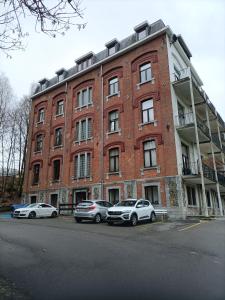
110,223
152,217
98,218
32,215
54,214
78,220
133,220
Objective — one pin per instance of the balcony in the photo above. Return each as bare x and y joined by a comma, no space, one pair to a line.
180,81
216,140
221,178
185,126
181,75
209,172
192,173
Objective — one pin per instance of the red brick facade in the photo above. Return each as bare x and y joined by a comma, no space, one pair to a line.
132,176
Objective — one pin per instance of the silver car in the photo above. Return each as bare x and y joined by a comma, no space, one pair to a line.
95,210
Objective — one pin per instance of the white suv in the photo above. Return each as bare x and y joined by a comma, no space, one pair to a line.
131,210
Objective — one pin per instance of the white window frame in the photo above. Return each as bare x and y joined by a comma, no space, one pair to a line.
159,194
149,152
80,98
141,32
112,188
41,115
150,111
60,108
144,69
113,86
77,167
110,122
78,135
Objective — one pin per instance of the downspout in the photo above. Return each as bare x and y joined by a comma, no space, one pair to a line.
102,134
64,142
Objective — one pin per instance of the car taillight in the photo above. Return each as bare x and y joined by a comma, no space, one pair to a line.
91,207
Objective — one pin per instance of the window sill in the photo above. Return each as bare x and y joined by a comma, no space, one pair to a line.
81,178
79,108
153,122
38,152
152,81
112,132
40,123
112,95
57,147
59,115
113,174
192,206
157,168
82,141
55,181
35,184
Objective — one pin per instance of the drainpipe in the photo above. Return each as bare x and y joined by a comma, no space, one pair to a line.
214,162
205,210
64,141
102,133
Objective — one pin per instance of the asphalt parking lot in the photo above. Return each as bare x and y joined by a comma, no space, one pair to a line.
60,259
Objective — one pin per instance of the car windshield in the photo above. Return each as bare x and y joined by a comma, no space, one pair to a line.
32,205
127,203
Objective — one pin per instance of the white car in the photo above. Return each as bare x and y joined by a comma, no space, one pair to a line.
36,210
131,210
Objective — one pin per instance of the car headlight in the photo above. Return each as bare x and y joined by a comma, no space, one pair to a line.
23,211
126,211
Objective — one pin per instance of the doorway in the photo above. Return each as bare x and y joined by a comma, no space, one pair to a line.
79,196
33,199
54,200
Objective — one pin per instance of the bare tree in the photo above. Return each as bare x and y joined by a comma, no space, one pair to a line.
6,96
51,17
14,118
23,112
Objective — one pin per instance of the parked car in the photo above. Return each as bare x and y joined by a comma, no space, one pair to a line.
95,210
16,206
36,210
132,211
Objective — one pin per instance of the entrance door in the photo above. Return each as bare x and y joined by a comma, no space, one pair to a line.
79,196
33,199
54,199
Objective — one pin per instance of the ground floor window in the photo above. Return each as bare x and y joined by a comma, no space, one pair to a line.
191,195
152,194
113,196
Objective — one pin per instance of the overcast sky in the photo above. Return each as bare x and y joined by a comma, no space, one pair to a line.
200,22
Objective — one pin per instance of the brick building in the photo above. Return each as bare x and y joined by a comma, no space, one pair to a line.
130,121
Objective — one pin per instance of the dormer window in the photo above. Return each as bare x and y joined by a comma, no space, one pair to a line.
112,46
142,30
112,50
60,74
43,83
141,34
85,61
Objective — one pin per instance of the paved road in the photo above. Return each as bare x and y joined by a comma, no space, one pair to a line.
59,259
